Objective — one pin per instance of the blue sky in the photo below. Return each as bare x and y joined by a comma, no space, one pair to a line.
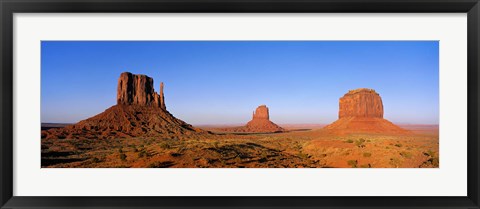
222,82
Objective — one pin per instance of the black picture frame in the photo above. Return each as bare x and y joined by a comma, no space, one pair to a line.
9,7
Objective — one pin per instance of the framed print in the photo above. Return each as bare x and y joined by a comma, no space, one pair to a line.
241,104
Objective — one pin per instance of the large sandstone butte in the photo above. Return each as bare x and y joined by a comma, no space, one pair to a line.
361,111
361,103
260,123
140,112
138,90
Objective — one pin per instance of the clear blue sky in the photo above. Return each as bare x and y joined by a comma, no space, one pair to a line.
222,82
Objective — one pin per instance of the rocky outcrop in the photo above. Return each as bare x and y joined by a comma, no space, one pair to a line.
361,111
261,113
138,90
140,112
126,121
162,98
260,123
361,103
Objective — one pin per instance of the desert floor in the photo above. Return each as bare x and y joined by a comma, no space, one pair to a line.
305,148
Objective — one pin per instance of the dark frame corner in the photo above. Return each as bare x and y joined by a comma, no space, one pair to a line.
9,7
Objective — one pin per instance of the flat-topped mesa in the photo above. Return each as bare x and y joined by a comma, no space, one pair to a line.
138,90
359,90
261,113
361,111
362,102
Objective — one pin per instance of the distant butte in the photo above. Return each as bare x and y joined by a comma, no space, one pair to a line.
361,111
260,123
140,112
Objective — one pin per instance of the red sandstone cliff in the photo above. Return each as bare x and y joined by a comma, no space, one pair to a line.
138,90
361,103
361,111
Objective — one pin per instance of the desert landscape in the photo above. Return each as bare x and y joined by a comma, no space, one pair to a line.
139,132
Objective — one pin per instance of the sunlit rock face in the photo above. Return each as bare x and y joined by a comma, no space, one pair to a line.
361,111
138,90
361,102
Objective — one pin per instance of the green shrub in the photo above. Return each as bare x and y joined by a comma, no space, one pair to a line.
352,163
303,155
395,162
142,153
165,145
367,154
434,161
406,154
238,160
95,160
429,153
360,142
366,166
216,144
160,164
123,157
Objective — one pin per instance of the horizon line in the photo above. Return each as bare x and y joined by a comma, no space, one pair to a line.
234,124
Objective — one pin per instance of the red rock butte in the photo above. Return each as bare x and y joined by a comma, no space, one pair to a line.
361,111
260,123
140,112
138,90
361,103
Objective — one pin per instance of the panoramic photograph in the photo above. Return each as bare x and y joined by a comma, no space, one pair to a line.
239,104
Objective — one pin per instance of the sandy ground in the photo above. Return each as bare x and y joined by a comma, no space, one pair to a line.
300,148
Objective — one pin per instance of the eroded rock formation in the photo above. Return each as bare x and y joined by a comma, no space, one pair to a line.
361,111
138,90
162,98
361,103
261,113
260,123
140,112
